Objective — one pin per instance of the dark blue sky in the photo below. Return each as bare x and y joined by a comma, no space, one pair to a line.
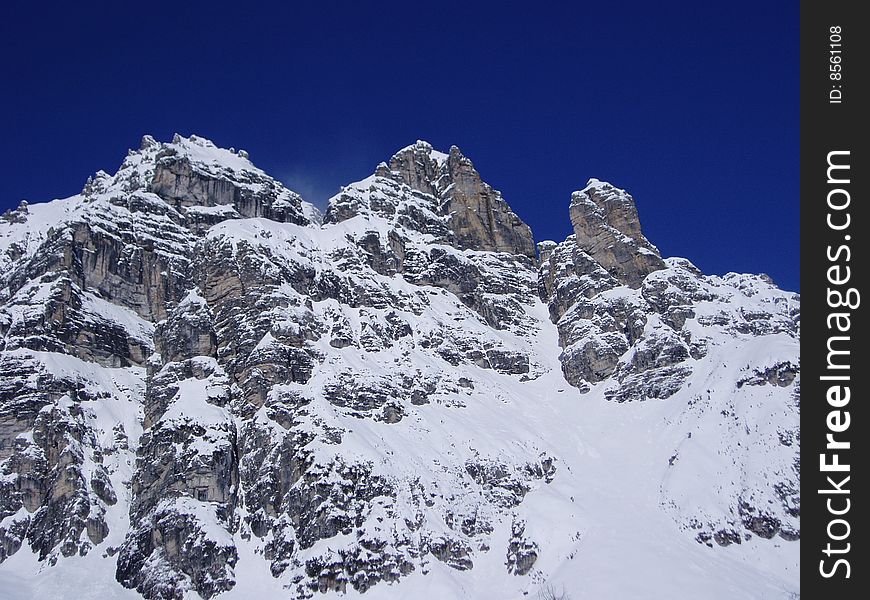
693,108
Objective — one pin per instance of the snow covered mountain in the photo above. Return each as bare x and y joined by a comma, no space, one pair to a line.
209,389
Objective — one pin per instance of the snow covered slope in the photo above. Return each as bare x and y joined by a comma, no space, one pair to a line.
207,389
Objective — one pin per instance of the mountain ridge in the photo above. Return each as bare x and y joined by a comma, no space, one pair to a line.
206,378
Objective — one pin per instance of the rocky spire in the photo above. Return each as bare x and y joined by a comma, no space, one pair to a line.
479,216
607,227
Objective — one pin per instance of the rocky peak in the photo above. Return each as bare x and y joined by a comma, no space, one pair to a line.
421,167
607,227
18,215
616,207
148,142
545,249
128,236
472,215
195,172
479,215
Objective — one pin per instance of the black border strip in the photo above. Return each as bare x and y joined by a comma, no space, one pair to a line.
834,228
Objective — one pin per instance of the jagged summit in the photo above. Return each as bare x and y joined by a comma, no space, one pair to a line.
615,206
425,151
449,201
201,153
204,391
203,149
607,227
193,171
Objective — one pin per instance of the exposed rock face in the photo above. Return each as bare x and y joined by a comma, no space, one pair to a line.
607,228
218,186
644,335
59,478
468,213
195,373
